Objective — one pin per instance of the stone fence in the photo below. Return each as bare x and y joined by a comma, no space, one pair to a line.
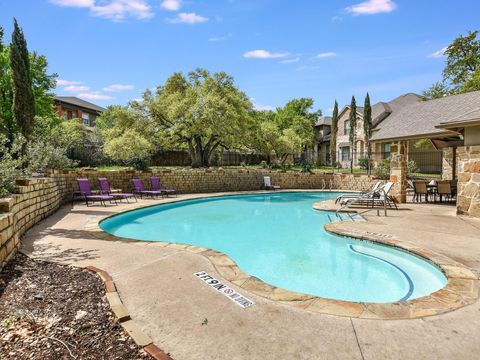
37,198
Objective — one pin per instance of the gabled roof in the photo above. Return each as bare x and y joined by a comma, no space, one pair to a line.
420,119
324,120
72,100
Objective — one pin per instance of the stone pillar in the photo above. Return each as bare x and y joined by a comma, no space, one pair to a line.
449,159
399,170
468,186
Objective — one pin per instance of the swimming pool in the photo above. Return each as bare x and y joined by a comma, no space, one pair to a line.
280,239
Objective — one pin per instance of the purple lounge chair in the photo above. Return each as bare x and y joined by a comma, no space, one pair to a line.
155,181
86,192
140,189
105,189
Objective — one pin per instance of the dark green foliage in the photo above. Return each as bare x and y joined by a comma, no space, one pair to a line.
333,134
367,127
23,100
353,130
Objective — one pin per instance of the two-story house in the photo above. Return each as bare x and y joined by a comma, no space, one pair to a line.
322,140
70,107
380,111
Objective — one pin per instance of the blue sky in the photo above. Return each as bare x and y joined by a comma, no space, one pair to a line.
109,51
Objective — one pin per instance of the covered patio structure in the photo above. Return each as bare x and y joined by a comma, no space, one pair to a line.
453,125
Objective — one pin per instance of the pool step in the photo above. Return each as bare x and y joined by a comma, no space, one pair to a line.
347,216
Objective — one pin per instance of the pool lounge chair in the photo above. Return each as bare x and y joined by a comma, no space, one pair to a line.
381,196
106,190
156,186
86,193
356,195
267,182
139,189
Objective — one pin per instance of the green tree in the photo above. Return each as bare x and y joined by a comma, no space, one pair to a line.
131,148
463,58
462,69
333,135
438,90
353,130
23,98
202,113
367,128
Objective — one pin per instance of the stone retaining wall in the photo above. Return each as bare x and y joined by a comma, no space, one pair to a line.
39,197
35,200
214,180
468,198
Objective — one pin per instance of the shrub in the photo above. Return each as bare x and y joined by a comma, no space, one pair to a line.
306,166
43,155
412,167
11,164
364,162
382,170
264,164
130,148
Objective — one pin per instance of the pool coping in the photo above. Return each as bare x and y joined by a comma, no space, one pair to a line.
462,287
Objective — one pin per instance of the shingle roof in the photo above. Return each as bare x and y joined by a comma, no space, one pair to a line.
421,118
324,120
79,102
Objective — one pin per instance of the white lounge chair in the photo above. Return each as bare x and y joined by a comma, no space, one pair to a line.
380,196
267,182
357,195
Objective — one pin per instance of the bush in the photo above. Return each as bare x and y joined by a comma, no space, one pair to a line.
364,162
11,164
42,156
264,164
412,167
382,170
131,148
306,166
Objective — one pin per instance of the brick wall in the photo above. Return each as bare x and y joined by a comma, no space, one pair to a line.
37,198
468,198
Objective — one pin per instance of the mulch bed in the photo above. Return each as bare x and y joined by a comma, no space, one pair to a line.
50,311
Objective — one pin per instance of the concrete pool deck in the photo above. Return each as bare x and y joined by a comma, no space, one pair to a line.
157,286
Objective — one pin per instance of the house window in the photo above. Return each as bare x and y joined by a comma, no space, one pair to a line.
386,153
346,153
346,127
86,119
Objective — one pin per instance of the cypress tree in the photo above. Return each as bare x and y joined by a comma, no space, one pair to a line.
353,129
333,135
367,128
23,107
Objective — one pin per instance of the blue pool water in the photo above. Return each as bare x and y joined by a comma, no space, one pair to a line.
280,239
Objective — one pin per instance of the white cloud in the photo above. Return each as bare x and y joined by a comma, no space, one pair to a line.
73,3
438,54
371,7
119,10
76,88
117,88
264,54
290,61
116,10
171,5
336,18
94,96
188,18
324,55
62,82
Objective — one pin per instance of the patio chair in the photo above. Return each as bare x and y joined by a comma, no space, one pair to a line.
420,189
380,196
86,193
139,189
357,195
444,188
105,189
267,182
156,186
